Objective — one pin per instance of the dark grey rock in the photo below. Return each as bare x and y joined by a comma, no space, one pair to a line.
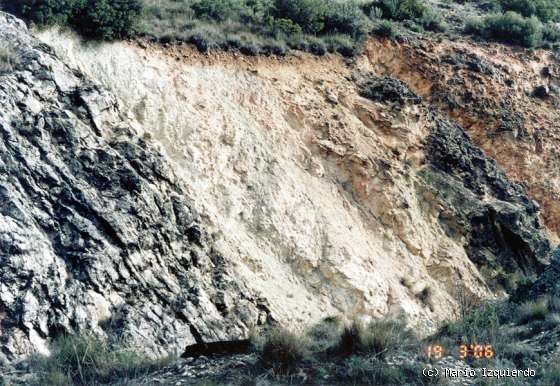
96,235
387,89
549,281
500,222
542,91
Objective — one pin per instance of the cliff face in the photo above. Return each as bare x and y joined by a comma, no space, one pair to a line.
505,98
168,197
96,232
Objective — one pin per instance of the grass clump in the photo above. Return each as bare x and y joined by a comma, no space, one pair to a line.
481,325
543,308
9,58
87,360
545,10
533,310
377,338
386,28
509,28
282,350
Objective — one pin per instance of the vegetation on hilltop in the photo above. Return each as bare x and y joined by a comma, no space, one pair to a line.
529,23
252,26
273,26
100,19
257,26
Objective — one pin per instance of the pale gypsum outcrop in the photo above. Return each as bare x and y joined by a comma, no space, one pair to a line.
96,234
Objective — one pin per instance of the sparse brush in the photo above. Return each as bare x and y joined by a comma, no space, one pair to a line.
369,371
377,338
341,44
282,350
86,360
551,374
9,58
386,28
533,310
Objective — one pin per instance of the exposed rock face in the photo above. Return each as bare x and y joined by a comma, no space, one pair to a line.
499,222
548,282
329,191
96,234
322,189
505,99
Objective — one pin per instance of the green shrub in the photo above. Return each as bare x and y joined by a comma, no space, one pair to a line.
401,9
545,10
346,18
509,28
255,11
386,28
99,19
287,27
108,19
308,14
432,21
551,33
49,12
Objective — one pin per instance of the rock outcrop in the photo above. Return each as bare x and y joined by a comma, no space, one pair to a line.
174,199
506,99
499,222
96,233
327,197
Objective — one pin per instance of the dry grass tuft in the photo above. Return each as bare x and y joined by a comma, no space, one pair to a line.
9,58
